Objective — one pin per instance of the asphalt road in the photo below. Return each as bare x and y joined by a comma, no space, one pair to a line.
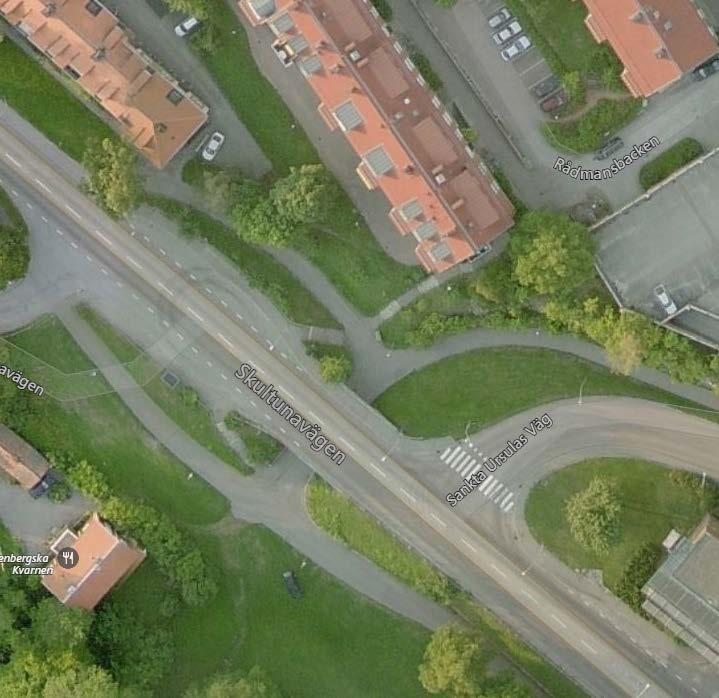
605,669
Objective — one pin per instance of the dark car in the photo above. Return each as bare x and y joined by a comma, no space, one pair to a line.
546,87
704,71
557,100
293,587
611,146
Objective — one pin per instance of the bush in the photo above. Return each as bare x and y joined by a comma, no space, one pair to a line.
673,159
589,131
426,70
435,326
593,515
60,491
639,569
384,9
335,369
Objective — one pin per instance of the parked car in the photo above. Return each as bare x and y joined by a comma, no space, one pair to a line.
704,71
293,587
546,87
506,33
663,297
611,146
520,46
499,18
557,100
187,27
212,147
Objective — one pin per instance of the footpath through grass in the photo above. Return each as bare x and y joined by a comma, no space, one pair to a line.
487,385
342,519
181,404
652,504
45,100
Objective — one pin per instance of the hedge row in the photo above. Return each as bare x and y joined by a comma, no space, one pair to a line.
671,160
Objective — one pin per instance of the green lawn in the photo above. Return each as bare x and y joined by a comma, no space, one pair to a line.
671,160
194,419
103,431
487,385
651,505
47,103
11,211
262,449
261,269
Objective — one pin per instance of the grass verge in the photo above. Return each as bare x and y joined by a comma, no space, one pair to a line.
671,160
47,102
487,385
261,269
652,504
591,130
262,449
181,404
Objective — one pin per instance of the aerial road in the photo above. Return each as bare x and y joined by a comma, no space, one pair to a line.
615,674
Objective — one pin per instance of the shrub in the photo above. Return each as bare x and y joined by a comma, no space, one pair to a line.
426,70
384,9
673,159
261,448
335,369
593,515
435,326
639,569
60,491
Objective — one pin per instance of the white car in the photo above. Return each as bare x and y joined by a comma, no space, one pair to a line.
506,33
520,46
499,18
668,304
186,27
212,147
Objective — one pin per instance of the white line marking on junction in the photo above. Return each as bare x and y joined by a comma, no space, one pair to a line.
13,160
194,313
74,212
133,262
162,252
498,571
225,340
74,244
589,647
377,469
238,316
194,349
150,310
104,271
104,238
468,544
178,265
253,328
165,323
407,494
437,519
559,622
43,185
165,289
193,277
59,232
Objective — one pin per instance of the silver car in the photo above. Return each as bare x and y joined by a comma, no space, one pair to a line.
499,18
670,307
212,147
506,33
520,46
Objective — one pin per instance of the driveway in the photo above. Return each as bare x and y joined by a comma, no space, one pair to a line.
155,35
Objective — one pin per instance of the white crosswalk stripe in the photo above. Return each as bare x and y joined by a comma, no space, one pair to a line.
500,493
506,499
508,508
474,470
484,485
457,452
446,453
461,462
467,467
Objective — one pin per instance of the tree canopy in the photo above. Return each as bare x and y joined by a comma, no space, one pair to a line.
593,515
255,685
451,663
111,175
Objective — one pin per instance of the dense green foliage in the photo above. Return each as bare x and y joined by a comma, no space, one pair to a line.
452,663
194,8
384,9
255,685
593,515
14,250
590,131
111,175
434,82
335,361
641,566
262,449
671,160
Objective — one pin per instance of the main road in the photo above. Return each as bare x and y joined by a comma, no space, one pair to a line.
610,672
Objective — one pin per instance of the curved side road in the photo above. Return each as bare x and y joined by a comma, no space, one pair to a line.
620,675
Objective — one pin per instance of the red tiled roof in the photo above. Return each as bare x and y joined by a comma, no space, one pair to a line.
657,44
410,147
20,460
125,82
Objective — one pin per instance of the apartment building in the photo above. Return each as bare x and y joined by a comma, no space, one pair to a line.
86,41
409,146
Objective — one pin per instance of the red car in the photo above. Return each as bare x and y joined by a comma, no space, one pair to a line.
554,102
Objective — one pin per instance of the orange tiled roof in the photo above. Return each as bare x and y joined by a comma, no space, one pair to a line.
104,561
20,460
409,146
85,40
657,43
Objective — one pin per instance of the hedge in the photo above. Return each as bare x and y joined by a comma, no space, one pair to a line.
673,159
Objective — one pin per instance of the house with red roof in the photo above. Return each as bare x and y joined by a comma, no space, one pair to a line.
657,41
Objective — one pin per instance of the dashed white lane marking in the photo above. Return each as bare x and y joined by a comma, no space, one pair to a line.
409,496
193,277
104,271
209,364
13,160
296,443
150,310
253,403
283,430
29,205
268,418
558,622
528,595
377,469
468,544
59,232
74,244
136,297
134,262
238,390
253,328
223,303
194,350
225,340
209,290
501,573
104,238
283,355
694,690
178,265
44,220
679,677
145,238
162,252
437,519
224,377
347,444
313,415
179,336
119,284
74,212
43,185
14,193
164,288
289,394
165,323
88,258
589,647
194,313
238,316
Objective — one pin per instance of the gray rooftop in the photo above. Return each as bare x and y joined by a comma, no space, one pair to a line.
263,8
298,44
378,161
424,231
440,251
412,209
283,23
311,65
348,116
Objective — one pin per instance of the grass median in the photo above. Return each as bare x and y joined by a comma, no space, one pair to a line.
671,160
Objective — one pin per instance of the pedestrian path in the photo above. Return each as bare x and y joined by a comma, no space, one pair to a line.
466,464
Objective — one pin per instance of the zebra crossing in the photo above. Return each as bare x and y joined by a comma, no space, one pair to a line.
467,464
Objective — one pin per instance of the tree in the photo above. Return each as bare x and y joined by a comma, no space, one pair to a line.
194,8
266,225
574,87
641,566
305,195
335,368
624,348
111,175
255,685
451,663
56,628
14,255
552,254
593,515
85,681
221,188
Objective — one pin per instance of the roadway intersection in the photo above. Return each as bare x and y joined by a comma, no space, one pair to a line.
375,479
